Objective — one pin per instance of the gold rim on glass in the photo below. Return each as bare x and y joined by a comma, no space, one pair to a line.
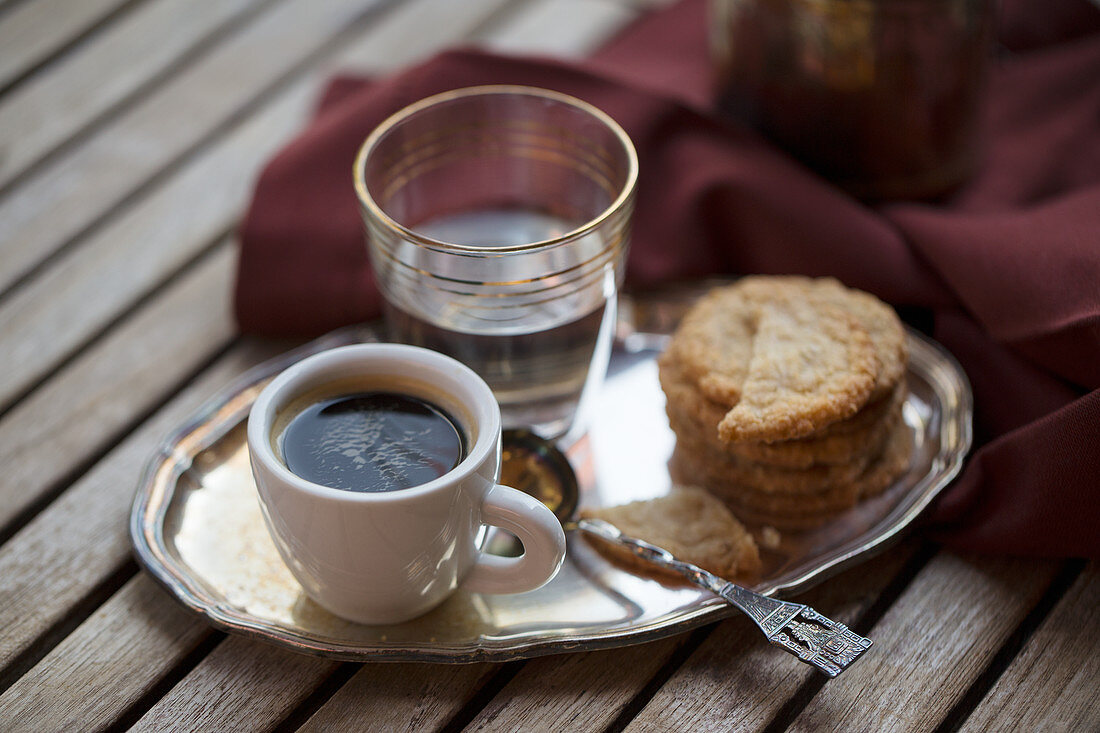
367,201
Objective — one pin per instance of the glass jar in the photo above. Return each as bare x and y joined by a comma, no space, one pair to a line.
879,96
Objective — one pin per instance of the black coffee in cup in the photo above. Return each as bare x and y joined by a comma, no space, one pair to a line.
368,441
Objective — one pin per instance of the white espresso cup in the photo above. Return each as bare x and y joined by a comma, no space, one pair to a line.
389,556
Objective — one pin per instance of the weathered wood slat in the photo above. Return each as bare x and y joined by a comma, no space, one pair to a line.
80,411
62,199
646,5
110,660
32,32
45,321
417,29
1052,684
241,685
400,697
81,538
37,117
933,642
77,413
87,287
588,691
572,692
563,28
736,680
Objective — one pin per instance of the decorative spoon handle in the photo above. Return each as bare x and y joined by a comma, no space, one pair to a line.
828,645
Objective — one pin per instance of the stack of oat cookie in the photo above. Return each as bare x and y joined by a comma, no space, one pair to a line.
785,394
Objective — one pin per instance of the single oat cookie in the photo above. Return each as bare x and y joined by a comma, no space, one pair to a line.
883,326
713,345
831,446
835,445
811,366
894,461
685,400
810,510
765,479
691,524
880,321
879,475
682,396
740,497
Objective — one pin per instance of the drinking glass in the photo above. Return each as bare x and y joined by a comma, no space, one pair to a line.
497,223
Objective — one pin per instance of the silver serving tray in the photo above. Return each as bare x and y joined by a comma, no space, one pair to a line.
196,524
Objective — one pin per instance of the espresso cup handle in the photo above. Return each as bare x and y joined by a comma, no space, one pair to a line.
536,527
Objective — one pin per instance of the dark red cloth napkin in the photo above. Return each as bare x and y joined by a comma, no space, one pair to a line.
1006,273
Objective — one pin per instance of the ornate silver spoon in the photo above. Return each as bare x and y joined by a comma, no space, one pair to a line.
536,466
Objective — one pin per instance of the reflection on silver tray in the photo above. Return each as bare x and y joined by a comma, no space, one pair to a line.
196,524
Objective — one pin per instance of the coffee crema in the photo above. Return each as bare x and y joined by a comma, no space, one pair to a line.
369,441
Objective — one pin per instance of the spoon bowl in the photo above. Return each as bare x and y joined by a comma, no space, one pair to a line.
537,467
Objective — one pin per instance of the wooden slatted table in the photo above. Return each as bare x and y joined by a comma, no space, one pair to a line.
131,132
